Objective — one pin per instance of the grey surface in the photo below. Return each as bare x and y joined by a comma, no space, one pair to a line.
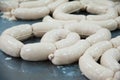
17,69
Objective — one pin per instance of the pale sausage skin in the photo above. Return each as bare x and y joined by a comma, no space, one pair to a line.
54,35
52,6
10,45
33,4
82,28
118,21
30,13
69,54
117,76
110,59
110,24
61,38
92,70
96,50
62,12
63,22
40,28
110,14
97,7
20,32
115,41
118,48
106,3
100,35
37,51
118,8
70,39
88,65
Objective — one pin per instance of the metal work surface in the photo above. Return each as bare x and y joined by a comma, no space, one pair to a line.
18,69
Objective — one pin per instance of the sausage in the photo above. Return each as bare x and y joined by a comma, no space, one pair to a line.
96,9
82,28
118,21
97,49
54,35
62,12
88,65
70,39
37,51
100,35
117,76
32,4
110,14
106,3
10,45
118,8
20,32
110,24
52,6
115,41
118,48
63,22
92,70
69,54
30,13
40,28
110,59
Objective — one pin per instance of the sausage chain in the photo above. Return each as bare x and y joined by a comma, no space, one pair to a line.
50,19
111,24
74,52
13,37
11,45
57,44
56,35
113,56
107,19
38,9
109,67
62,11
